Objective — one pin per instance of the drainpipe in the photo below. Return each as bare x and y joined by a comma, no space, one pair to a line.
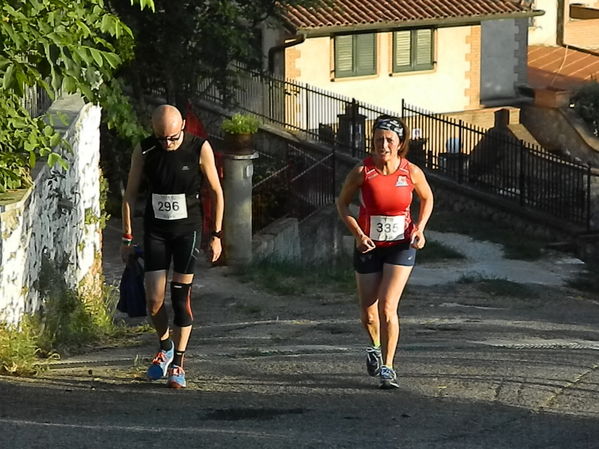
298,39
559,31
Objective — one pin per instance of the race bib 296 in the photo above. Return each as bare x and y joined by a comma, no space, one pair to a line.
169,207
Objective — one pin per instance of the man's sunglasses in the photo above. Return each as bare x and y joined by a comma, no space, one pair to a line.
169,138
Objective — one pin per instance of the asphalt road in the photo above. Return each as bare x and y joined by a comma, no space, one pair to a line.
476,371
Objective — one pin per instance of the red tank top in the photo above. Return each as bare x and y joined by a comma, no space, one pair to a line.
385,204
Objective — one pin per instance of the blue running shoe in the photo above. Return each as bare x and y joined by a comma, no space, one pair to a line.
388,378
176,377
374,361
159,366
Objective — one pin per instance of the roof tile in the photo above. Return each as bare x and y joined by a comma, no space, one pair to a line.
350,12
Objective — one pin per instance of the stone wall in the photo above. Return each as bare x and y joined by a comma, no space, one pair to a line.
56,220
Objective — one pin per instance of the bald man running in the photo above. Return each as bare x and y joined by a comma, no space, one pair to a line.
172,163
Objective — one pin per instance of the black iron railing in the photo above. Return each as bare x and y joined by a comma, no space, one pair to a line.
295,184
491,160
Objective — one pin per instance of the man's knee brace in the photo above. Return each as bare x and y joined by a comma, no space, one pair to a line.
181,299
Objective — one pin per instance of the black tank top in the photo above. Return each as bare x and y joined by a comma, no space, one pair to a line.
173,179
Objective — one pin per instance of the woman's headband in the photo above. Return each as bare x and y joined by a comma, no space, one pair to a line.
390,124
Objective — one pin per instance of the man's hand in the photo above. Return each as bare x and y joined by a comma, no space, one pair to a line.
215,249
126,252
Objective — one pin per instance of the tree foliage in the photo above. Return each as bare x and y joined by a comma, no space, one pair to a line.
58,46
186,41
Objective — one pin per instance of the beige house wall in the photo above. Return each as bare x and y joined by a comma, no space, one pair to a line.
448,87
544,28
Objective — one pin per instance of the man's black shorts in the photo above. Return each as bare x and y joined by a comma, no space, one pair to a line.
162,247
372,261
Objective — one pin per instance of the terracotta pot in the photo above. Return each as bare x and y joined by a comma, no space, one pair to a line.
239,143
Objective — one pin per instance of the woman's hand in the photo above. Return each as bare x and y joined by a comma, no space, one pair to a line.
364,243
418,239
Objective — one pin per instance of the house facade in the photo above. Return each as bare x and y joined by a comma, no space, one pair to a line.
563,50
566,22
432,53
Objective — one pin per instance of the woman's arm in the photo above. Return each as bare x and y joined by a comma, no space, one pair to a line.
425,194
352,184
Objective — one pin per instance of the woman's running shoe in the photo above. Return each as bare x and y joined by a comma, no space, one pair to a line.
388,378
374,361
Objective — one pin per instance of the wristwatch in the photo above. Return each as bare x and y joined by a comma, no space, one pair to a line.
217,234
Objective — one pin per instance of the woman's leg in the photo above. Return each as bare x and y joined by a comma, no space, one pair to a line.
368,287
391,286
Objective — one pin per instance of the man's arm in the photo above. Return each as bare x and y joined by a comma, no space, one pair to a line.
208,167
129,199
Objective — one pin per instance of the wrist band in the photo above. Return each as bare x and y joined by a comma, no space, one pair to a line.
127,239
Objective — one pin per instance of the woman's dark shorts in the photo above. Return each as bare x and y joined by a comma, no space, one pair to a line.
372,261
162,247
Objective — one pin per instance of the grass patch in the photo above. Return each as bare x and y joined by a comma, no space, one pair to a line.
434,251
19,351
289,278
499,287
68,321
292,278
515,246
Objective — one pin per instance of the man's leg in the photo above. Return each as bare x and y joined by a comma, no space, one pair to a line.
185,251
155,282
183,316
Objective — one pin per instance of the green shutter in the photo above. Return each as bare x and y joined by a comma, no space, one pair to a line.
344,61
413,50
355,54
401,50
365,54
424,48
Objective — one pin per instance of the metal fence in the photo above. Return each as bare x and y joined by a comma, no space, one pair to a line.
487,159
295,185
496,162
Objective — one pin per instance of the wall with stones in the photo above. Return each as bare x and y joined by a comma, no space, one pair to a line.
56,220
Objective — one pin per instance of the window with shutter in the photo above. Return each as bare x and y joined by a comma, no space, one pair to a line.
355,55
413,50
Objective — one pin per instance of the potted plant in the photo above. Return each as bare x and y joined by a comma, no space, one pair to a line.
239,131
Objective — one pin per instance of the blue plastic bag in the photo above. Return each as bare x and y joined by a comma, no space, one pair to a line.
132,292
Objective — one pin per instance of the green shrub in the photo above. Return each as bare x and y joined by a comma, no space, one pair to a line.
19,350
586,104
240,124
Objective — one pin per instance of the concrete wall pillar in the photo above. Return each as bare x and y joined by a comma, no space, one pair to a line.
237,222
